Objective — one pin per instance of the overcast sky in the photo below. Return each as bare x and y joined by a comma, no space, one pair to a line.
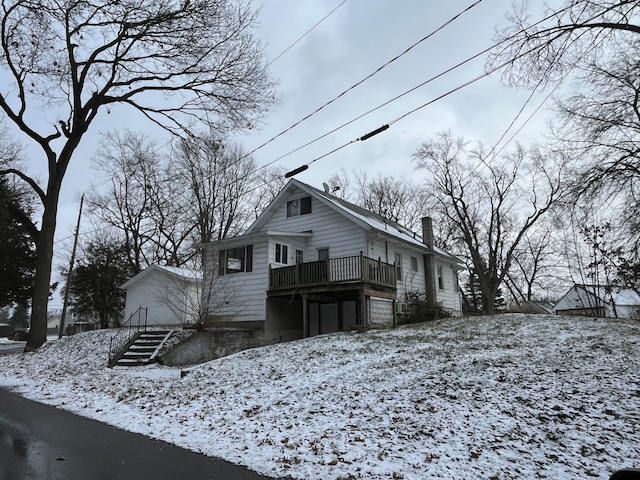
355,40
359,37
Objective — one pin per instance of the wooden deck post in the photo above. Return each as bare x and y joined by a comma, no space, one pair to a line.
395,317
363,310
305,316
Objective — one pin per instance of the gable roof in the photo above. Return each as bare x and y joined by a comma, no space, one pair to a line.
362,217
620,296
179,272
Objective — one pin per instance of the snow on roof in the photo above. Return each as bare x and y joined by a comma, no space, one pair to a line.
181,271
378,222
619,295
365,218
186,273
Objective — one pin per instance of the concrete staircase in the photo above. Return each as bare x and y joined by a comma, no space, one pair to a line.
143,348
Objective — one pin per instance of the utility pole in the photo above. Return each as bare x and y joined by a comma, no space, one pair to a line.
71,262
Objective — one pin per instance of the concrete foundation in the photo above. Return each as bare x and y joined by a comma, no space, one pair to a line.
211,344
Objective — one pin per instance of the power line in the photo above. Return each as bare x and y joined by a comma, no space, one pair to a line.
360,82
364,137
394,98
459,87
494,152
435,77
473,57
304,34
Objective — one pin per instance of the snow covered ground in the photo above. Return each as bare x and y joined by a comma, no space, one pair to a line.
511,396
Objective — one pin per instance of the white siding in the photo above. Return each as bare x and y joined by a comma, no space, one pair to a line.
449,295
380,312
293,244
414,281
578,298
330,229
165,298
240,296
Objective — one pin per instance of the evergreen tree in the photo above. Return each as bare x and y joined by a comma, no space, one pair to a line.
95,282
472,292
473,295
500,303
18,260
20,318
5,314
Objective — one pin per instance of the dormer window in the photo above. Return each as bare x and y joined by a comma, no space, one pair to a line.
299,206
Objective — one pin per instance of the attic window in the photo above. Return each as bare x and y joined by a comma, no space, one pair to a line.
299,206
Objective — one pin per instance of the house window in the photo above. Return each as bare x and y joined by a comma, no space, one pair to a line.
299,256
281,253
236,260
440,279
323,254
305,205
414,264
299,206
399,276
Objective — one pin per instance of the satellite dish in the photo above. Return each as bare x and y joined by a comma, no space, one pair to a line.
326,187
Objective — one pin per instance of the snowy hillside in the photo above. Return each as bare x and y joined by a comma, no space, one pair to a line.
511,396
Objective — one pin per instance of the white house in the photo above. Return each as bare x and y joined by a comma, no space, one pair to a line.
313,263
172,296
594,301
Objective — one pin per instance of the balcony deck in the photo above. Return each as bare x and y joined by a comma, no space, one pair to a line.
333,274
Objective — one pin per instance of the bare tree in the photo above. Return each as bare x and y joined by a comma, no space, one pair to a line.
340,185
538,51
269,183
396,198
597,42
219,179
128,160
601,128
534,265
193,297
490,207
175,63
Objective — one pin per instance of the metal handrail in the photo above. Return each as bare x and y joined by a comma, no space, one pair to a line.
136,322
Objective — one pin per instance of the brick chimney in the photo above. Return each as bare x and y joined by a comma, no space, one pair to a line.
427,231
429,262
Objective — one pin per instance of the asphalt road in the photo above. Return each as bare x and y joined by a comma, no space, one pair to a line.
9,348
39,441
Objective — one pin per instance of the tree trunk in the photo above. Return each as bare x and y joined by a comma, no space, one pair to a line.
44,256
488,302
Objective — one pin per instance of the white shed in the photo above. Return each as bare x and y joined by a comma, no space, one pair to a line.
171,295
599,301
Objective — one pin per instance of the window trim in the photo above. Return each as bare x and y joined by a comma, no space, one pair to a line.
440,277
246,261
280,253
398,262
304,208
414,263
299,206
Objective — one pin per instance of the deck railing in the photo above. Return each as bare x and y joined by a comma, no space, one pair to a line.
357,268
